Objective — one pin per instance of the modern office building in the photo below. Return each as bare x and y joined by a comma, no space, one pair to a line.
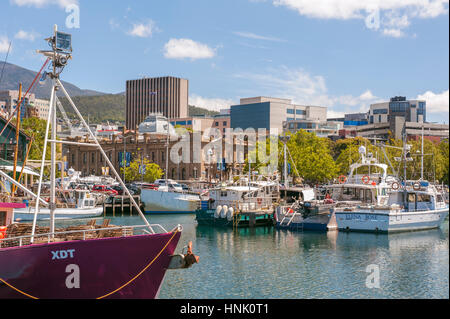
411,110
166,95
388,119
268,112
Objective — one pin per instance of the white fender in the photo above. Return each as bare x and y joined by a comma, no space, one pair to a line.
217,212
230,214
223,214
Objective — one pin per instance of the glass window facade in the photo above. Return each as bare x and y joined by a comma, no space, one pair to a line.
300,112
290,111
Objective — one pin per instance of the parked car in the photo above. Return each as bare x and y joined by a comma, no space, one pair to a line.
118,188
104,189
184,187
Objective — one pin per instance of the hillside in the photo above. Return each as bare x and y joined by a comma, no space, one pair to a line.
111,107
14,74
101,108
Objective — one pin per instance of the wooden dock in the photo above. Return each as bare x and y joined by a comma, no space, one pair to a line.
121,206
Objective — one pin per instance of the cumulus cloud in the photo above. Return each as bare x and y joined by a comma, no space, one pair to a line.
306,89
143,30
436,102
42,3
212,104
187,48
394,15
26,35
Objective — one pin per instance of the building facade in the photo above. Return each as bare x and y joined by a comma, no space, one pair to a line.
166,95
268,112
89,161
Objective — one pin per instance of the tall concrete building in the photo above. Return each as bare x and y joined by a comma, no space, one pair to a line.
166,95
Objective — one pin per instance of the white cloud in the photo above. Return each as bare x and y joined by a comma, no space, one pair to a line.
187,48
394,15
143,30
25,35
250,35
42,3
395,33
212,104
4,44
306,89
436,102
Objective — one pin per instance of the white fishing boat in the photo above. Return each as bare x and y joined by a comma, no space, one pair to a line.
404,206
416,206
367,183
84,206
242,204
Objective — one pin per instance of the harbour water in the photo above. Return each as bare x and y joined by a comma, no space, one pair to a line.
271,263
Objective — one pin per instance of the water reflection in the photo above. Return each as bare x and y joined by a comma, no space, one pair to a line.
271,263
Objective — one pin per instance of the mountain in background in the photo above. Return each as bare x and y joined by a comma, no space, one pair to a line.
98,106
13,74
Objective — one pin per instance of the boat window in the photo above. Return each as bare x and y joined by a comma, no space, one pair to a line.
368,195
411,197
349,191
423,197
223,194
383,191
439,198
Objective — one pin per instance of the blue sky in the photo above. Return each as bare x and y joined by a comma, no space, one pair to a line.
343,54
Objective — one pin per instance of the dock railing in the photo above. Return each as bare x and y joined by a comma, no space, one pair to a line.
79,234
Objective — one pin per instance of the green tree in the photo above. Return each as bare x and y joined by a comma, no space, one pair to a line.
444,149
152,171
311,157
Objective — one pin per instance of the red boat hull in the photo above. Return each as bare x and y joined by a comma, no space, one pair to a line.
121,267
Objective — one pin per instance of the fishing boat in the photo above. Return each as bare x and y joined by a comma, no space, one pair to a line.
87,261
367,183
243,204
84,205
404,206
169,197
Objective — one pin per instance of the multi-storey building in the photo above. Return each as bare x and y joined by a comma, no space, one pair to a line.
166,95
268,112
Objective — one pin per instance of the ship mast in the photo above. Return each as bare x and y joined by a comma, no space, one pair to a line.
60,55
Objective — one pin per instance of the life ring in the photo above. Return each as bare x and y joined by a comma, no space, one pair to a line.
365,179
342,179
397,186
416,186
